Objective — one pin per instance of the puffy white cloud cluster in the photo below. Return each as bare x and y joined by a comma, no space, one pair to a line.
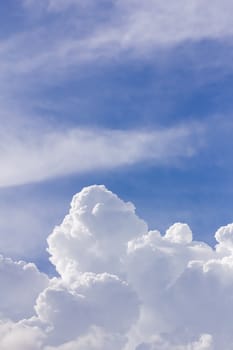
120,286
93,236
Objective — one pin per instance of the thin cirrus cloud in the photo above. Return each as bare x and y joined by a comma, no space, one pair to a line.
170,22
139,26
122,29
120,286
30,156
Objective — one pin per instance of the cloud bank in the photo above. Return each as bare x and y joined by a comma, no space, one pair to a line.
120,286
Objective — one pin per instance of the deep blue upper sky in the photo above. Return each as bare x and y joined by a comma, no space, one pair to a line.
66,68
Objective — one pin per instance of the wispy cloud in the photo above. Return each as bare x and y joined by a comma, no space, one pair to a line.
32,155
59,37
121,29
155,21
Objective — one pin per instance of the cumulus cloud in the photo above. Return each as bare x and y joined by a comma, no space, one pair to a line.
93,235
88,302
35,154
95,339
20,336
203,343
21,283
120,286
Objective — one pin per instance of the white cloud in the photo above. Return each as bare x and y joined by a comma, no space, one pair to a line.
95,339
135,24
34,155
179,233
83,241
203,343
118,29
20,336
93,300
136,290
224,236
21,284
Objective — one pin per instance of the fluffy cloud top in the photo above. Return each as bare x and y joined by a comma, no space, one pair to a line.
94,234
120,287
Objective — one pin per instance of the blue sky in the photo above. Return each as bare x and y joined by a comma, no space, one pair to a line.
135,96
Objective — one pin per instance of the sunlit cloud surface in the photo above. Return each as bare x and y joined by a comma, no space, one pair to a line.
119,286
